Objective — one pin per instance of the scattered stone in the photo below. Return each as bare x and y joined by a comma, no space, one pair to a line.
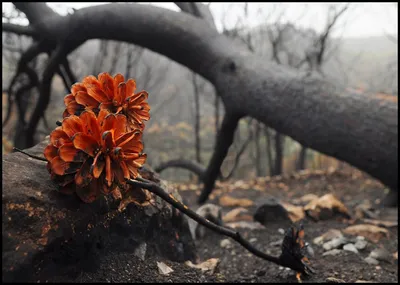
334,280
350,247
371,261
253,240
364,281
245,225
371,232
310,250
365,210
381,254
271,211
209,265
326,207
225,243
334,243
329,235
228,201
281,231
276,243
237,214
140,251
164,269
361,244
210,212
332,252
395,255
261,273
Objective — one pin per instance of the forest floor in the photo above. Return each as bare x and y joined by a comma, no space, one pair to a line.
238,265
352,189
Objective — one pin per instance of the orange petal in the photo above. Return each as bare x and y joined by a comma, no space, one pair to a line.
141,160
106,105
65,113
83,176
131,144
98,165
125,169
60,167
90,124
68,99
102,114
121,124
93,88
119,88
58,137
116,193
84,99
86,143
130,88
108,123
109,172
72,125
107,84
135,135
50,152
133,169
73,108
135,118
69,153
119,173
77,87
138,98
108,139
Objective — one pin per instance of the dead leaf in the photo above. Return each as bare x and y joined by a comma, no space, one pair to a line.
229,201
296,213
163,268
237,214
209,265
386,224
305,199
371,232
245,225
326,207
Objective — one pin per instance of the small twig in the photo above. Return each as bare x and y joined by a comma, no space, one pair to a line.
30,155
154,188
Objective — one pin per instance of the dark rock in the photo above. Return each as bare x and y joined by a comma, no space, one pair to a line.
270,211
47,234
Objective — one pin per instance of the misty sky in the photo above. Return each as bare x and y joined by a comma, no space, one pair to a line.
361,20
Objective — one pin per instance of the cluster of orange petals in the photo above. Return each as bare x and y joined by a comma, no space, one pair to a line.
112,94
98,145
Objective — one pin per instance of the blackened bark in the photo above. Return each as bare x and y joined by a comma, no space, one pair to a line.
194,167
196,117
224,141
279,149
258,150
301,160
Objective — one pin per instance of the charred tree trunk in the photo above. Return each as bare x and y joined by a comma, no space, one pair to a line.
301,160
258,151
279,149
196,117
269,150
217,107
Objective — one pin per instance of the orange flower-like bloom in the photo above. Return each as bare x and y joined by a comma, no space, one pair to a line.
112,94
93,155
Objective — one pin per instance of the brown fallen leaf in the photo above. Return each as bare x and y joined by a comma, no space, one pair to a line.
228,201
371,232
209,265
295,213
305,199
386,224
237,214
326,207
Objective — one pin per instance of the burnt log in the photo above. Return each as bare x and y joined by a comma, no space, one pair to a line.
47,234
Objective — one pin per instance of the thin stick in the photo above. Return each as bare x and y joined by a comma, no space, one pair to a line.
30,155
154,188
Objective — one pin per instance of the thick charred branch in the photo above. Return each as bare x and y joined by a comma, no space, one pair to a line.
361,130
192,166
20,30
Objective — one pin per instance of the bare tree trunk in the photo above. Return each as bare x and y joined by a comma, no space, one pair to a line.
224,141
269,150
258,150
301,160
217,107
116,55
279,149
196,117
